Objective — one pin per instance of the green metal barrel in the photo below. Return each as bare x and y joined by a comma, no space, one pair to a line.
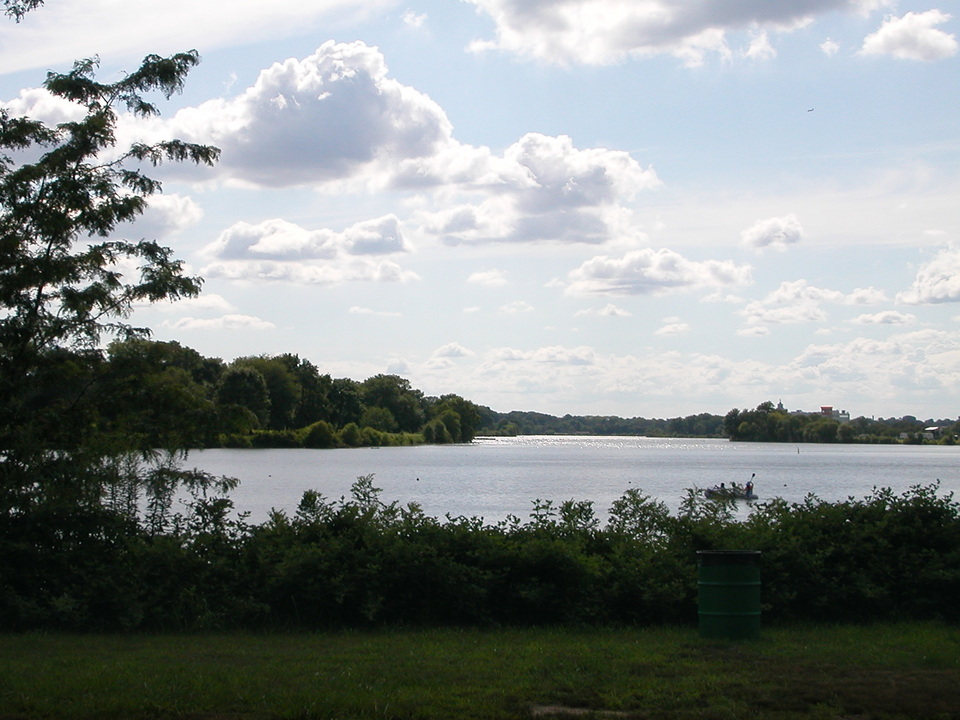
729,588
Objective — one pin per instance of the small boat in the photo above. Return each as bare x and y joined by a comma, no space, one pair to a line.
736,493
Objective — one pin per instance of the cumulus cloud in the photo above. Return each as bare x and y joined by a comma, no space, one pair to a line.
279,239
866,296
609,310
327,117
829,47
226,322
452,350
209,302
937,281
278,250
886,317
600,32
924,364
548,189
488,278
798,302
65,30
673,326
652,272
920,362
39,104
165,215
774,232
912,37
760,48
357,310
555,355
516,308
414,20
337,120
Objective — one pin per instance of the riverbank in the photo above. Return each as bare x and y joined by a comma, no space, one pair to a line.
891,671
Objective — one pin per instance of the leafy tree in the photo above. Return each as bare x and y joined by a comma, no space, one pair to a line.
244,387
320,434
350,435
159,405
59,283
283,389
70,483
64,190
346,403
18,8
461,417
314,401
378,418
396,395
436,433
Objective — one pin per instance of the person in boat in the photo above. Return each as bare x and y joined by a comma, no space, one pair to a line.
749,487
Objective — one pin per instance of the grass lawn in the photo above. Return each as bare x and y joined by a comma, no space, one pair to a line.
880,671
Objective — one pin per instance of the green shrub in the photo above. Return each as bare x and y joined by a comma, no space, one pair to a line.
320,434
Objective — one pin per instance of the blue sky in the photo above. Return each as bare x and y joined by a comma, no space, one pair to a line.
642,208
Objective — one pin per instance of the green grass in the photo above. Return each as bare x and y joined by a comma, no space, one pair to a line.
884,671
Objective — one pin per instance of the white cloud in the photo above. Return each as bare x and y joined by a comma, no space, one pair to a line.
165,215
924,364
332,116
798,302
912,37
62,31
212,302
547,189
866,296
357,310
226,322
278,250
414,20
269,271
775,232
399,366
600,32
488,278
760,48
886,317
517,307
336,120
651,272
39,104
829,47
452,350
673,326
937,281
609,310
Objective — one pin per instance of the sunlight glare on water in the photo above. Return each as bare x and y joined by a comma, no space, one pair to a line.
493,478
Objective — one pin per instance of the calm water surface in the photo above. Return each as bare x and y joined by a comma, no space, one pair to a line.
496,477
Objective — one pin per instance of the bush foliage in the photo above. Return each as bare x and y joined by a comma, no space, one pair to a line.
359,561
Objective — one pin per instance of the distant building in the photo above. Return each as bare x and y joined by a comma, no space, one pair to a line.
825,410
838,415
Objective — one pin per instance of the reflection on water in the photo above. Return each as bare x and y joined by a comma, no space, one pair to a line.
496,477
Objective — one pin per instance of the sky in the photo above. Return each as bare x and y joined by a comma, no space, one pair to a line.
647,208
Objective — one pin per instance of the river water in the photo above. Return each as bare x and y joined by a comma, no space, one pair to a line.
493,478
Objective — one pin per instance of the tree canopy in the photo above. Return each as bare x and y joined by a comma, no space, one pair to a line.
64,190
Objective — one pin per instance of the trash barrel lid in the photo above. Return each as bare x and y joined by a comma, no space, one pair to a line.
728,557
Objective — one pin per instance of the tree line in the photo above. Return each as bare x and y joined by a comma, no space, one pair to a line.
169,396
766,423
